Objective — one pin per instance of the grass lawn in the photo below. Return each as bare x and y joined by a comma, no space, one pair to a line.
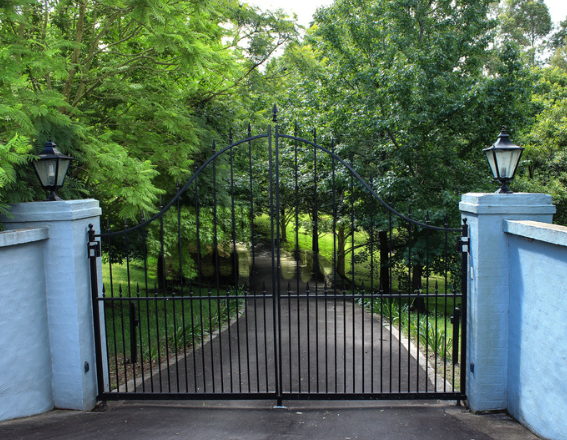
362,266
162,325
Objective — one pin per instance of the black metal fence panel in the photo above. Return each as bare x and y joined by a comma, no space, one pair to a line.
278,272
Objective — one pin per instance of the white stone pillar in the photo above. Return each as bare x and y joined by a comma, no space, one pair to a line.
67,284
488,290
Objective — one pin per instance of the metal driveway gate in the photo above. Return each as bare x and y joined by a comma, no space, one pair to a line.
225,294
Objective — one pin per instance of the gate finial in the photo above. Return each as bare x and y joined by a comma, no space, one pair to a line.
275,113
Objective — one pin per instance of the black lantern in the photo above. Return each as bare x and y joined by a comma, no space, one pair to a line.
51,168
503,158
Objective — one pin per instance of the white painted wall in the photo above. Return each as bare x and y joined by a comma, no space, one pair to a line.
25,361
67,294
537,348
489,290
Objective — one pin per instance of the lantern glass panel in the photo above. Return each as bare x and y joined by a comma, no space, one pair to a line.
63,168
507,162
492,162
47,170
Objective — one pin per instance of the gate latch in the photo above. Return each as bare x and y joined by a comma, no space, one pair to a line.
463,245
94,249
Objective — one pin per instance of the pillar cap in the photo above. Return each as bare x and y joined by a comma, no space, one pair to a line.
64,210
498,204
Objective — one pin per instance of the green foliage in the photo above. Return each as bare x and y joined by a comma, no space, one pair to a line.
544,163
12,154
412,92
404,88
182,233
165,327
135,91
526,20
559,57
431,330
558,38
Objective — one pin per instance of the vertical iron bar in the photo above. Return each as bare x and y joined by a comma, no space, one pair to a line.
456,319
235,270
325,296
126,242
391,286
381,292
115,343
445,307
289,333
427,314
333,178
410,290
124,353
139,317
106,326
246,327
193,345
308,321
444,336
371,289
147,302
133,339
316,257
454,296
278,260
266,372
353,280
96,314
254,287
464,310
181,285
344,340
128,280
275,294
210,331
158,344
217,275
164,286
362,338
200,274
297,257
175,341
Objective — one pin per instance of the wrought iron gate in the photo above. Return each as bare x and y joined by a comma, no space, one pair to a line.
225,293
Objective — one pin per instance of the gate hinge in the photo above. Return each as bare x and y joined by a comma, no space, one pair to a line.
94,249
463,245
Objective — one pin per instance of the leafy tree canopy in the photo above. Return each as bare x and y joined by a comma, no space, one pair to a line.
526,21
544,163
133,90
558,37
406,87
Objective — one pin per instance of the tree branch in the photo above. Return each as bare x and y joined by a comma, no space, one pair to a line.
80,28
